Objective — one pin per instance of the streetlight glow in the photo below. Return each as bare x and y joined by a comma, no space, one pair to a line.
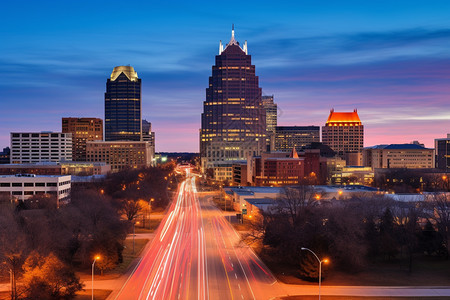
320,265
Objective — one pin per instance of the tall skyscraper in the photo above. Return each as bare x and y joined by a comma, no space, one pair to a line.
344,133
123,105
82,129
271,120
233,118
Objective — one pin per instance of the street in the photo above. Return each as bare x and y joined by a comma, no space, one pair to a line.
197,254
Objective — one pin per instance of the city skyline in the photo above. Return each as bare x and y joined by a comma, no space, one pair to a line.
390,61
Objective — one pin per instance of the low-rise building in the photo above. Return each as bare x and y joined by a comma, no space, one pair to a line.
240,195
120,155
284,168
24,186
55,168
409,156
352,175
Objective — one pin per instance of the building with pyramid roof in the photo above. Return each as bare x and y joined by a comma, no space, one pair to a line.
233,119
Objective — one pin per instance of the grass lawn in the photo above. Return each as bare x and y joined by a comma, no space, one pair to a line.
357,298
98,294
128,255
82,295
426,271
154,223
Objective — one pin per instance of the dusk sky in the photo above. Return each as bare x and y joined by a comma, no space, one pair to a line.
388,59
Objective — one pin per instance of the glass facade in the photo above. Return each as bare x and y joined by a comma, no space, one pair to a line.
123,105
233,118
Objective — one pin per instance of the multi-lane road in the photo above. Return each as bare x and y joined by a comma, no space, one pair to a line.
197,254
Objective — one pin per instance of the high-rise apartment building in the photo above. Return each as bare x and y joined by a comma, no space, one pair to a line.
298,137
344,133
83,130
33,147
233,119
271,120
123,105
442,147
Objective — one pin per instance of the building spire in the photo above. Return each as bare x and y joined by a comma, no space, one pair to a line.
232,31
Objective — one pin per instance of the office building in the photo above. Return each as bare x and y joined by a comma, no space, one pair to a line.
233,119
82,130
271,120
123,105
410,156
442,147
120,155
148,136
284,168
21,187
298,137
344,133
33,147
5,156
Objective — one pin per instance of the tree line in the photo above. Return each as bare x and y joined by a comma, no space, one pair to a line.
352,233
41,246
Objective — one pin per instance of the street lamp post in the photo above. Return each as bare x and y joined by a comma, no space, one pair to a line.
320,266
93,263
149,212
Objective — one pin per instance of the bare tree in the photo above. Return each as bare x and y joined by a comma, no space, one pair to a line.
131,209
439,211
294,201
13,246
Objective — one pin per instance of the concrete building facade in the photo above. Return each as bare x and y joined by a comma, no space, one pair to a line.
82,130
271,109
410,156
120,155
148,135
24,186
344,133
34,147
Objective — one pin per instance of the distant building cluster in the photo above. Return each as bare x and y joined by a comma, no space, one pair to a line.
44,162
242,144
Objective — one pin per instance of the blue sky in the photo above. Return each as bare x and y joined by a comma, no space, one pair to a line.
388,59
